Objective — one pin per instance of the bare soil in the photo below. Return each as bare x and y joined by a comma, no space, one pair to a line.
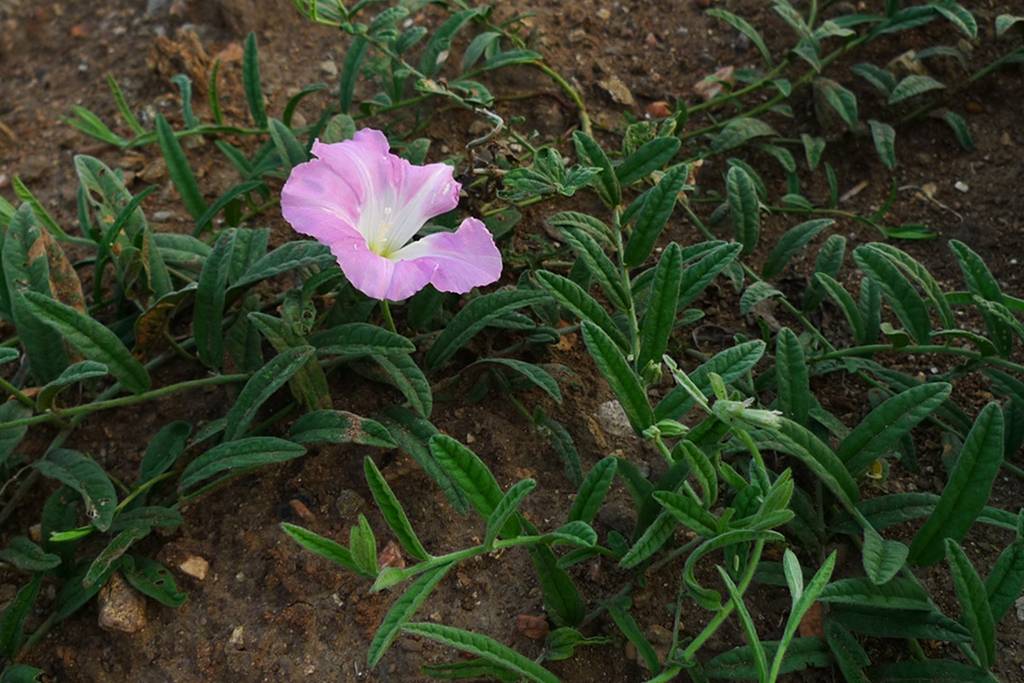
267,611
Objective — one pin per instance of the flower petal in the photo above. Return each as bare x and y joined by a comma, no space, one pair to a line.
422,192
374,275
458,261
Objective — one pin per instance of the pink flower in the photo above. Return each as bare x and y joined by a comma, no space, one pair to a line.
366,204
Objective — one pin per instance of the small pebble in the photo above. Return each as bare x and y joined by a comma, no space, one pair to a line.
961,186
195,566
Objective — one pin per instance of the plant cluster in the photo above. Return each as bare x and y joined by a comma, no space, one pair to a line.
753,462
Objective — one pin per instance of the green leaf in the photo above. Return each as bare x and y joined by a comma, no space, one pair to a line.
848,653
802,602
593,490
319,545
730,364
535,374
340,127
251,81
412,433
208,313
688,512
261,386
744,207
27,556
594,227
340,426
882,559
392,511
791,377
561,440
884,137
795,239
960,130
756,293
21,673
289,256
407,377
93,340
290,150
12,623
178,169
912,86
1005,582
82,474
738,132
476,315
882,80
652,217
802,444
706,597
957,15
436,50
105,561
599,265
506,508
659,319
814,148
73,374
967,490
843,101
897,594
468,471
931,671
360,339
151,578
902,296
915,270
590,154
975,612
239,454
845,302
650,542
888,423
363,545
619,612
981,283
482,646
164,449
402,610
701,467
11,437
738,664
698,276
620,376
753,640
744,27
649,157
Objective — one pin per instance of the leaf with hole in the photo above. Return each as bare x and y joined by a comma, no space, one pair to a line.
81,473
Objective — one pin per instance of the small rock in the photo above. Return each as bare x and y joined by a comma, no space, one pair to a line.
1005,140
195,566
659,109
301,510
237,638
120,607
974,107
612,419
329,68
35,532
79,31
470,438
534,627
1020,609
961,186
349,504
630,651
659,635
604,14
618,90
391,556
163,216
651,40
154,170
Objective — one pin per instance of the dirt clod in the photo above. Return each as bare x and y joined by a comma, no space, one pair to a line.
533,626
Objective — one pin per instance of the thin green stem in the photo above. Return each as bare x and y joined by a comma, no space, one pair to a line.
16,393
96,406
385,309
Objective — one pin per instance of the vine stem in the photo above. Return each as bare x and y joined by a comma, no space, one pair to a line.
16,393
571,92
96,406
385,309
871,349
